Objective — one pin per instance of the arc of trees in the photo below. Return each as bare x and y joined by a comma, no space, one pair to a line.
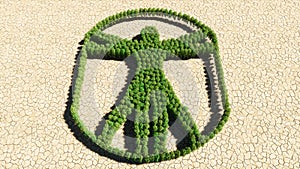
149,86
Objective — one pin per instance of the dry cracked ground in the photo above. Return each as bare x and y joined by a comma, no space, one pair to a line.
259,47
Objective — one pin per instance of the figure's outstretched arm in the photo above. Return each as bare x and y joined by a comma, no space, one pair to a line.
102,38
102,45
189,45
198,42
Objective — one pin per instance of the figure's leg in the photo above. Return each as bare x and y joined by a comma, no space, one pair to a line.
141,130
160,121
157,113
115,120
181,117
133,102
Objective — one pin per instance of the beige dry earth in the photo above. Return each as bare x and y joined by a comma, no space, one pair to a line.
259,47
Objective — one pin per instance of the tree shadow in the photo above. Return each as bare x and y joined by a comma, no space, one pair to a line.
178,131
160,19
211,85
137,37
208,86
78,134
128,129
176,128
130,136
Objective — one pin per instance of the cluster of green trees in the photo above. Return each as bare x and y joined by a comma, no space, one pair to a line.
147,80
185,47
102,38
137,100
160,121
141,130
138,95
152,11
150,59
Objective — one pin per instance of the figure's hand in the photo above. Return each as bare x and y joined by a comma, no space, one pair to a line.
103,38
150,34
102,45
188,46
198,42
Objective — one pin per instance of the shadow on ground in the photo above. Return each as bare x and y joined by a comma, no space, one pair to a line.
75,129
182,142
160,19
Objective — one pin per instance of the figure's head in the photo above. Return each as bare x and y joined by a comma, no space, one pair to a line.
150,33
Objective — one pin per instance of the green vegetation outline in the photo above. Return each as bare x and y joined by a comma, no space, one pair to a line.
188,52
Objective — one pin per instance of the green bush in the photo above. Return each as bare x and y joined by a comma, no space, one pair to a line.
177,153
211,135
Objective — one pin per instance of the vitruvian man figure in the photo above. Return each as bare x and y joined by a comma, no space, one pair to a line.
150,97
